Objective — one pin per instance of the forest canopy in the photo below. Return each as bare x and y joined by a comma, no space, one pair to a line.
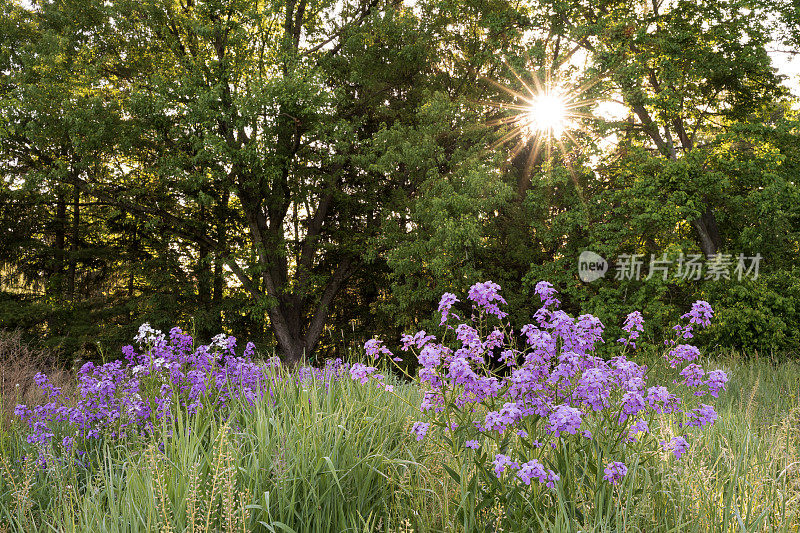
309,173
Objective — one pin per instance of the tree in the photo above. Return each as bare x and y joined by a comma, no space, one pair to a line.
311,164
257,133
686,70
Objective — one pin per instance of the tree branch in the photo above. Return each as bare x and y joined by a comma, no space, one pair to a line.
364,14
347,267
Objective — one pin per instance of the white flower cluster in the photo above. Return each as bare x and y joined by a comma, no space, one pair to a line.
148,336
158,363
219,342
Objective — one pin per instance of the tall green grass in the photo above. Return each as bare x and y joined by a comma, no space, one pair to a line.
740,475
342,459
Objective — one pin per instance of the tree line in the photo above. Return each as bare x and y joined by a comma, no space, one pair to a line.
308,174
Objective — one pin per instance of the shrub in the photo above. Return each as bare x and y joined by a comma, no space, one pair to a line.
761,315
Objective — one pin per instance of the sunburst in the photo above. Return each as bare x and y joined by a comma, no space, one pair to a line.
546,111
547,114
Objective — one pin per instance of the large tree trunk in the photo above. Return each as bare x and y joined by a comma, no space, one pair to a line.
705,226
292,348
292,352
298,325
60,244
707,232
74,235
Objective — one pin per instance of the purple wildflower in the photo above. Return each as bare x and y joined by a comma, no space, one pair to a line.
632,404
547,293
461,372
534,469
430,356
565,419
508,357
678,446
614,472
640,426
445,304
419,340
700,314
361,372
420,429
375,348
693,375
634,325
661,400
682,353
716,381
484,295
21,411
704,415
501,463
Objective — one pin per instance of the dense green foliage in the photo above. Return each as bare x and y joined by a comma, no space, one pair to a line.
310,173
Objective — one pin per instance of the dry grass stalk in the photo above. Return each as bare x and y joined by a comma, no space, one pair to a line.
193,500
216,478
19,363
23,503
159,479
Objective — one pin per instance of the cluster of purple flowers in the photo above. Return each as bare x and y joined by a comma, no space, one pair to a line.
678,446
555,378
704,415
700,315
682,353
614,472
420,429
445,304
633,326
131,396
502,462
363,373
535,469
485,297
375,349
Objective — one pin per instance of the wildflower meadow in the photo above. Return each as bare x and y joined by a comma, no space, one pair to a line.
495,429
429,266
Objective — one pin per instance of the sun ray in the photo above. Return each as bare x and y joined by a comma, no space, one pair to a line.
543,110
544,114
